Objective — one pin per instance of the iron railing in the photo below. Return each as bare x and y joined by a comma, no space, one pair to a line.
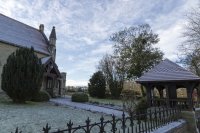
135,123
198,123
182,103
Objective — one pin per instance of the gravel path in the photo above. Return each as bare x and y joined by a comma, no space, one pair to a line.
85,106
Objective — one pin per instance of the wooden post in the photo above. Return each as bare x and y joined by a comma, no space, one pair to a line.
189,97
149,94
172,95
167,94
190,88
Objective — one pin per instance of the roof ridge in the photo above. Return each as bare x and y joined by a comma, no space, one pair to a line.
167,70
20,22
175,64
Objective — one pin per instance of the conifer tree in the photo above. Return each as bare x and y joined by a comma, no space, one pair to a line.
22,75
97,85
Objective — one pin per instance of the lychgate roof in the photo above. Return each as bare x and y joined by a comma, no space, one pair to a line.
16,33
167,71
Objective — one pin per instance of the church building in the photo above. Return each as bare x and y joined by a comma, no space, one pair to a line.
14,35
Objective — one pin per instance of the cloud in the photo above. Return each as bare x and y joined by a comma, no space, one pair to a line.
70,82
103,49
83,27
169,41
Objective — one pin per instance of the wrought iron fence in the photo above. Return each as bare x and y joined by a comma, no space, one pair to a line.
135,123
182,103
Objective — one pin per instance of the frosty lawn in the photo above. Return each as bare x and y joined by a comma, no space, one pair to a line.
30,118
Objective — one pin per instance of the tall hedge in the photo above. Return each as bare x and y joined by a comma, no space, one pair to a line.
97,85
22,75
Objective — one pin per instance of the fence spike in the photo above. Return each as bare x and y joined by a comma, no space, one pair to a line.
102,126
69,125
123,122
46,129
88,125
113,124
102,118
17,130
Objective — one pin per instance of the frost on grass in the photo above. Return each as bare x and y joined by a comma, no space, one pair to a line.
32,118
85,106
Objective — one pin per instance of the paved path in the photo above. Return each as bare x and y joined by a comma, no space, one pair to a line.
85,106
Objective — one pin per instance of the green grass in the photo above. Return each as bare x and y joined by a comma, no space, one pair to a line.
109,101
106,101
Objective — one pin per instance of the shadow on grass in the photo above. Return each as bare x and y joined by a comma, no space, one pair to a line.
4,99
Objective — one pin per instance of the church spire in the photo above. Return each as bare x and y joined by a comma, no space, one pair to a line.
53,33
52,43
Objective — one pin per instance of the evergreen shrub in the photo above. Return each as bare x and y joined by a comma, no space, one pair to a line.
80,97
42,96
97,85
22,75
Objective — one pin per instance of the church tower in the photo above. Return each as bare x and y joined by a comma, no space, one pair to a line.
52,43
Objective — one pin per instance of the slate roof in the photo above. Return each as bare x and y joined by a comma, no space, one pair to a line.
167,71
19,34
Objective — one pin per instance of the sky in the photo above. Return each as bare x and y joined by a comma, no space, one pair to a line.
83,27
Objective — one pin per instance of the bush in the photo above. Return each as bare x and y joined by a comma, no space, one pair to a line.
71,90
22,75
97,85
129,102
142,106
42,96
130,93
80,97
116,88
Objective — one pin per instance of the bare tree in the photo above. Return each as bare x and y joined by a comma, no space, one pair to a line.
192,32
190,48
114,72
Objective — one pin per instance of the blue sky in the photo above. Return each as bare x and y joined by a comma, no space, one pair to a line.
83,27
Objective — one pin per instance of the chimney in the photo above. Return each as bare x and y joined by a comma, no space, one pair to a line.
41,28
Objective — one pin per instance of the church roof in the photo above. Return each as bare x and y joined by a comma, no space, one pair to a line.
167,71
19,34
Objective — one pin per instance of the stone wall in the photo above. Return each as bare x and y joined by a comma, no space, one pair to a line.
189,116
5,51
180,126
180,129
